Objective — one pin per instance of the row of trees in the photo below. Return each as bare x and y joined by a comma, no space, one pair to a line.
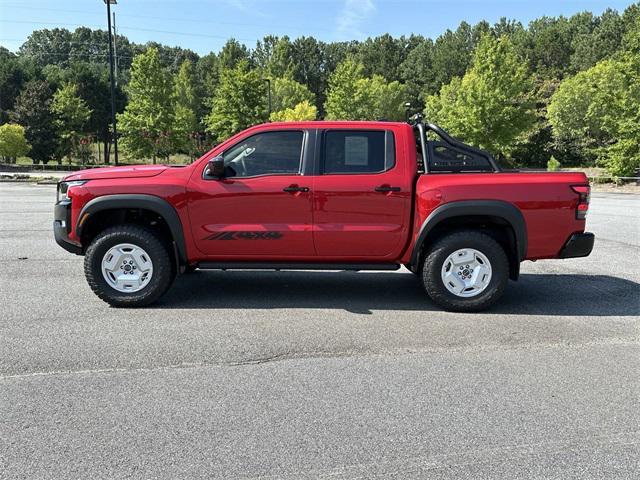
565,87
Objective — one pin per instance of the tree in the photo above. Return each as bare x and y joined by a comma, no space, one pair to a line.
352,96
598,110
383,56
208,74
239,102
302,111
307,66
93,85
48,47
452,53
490,106
417,72
186,105
287,93
147,120
232,53
343,91
33,113
13,143
600,42
12,77
72,114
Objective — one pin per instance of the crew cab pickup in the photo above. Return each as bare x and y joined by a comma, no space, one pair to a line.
326,196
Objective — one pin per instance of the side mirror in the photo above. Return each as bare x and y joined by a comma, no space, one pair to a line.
215,167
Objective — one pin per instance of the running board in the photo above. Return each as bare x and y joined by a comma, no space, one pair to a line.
296,266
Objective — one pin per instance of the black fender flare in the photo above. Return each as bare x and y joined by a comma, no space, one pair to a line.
492,208
147,202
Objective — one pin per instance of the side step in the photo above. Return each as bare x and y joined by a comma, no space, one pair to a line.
296,266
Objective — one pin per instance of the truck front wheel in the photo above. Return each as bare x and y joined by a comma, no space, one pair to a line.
465,271
128,266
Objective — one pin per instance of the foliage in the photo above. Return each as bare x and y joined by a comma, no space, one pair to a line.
394,70
72,114
240,101
383,56
302,111
273,55
417,72
12,78
232,53
33,113
186,105
287,93
490,106
598,110
352,96
13,143
148,118
553,165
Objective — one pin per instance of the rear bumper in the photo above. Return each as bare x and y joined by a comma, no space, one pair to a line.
578,245
61,226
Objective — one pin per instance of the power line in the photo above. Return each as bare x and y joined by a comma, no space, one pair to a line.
133,29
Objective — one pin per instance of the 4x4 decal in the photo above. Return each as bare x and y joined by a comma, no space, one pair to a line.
245,236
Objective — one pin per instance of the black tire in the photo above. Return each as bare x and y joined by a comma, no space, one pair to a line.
445,246
163,270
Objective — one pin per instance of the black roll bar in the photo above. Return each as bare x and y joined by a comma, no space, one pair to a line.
422,128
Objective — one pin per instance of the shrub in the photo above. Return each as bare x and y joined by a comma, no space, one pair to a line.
553,165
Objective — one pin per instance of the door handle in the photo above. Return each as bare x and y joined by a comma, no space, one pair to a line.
387,188
295,188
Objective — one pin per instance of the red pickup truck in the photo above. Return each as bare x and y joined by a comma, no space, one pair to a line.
325,196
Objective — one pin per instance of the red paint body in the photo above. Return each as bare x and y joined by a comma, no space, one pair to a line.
341,218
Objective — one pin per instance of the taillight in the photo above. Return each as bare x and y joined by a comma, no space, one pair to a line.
584,194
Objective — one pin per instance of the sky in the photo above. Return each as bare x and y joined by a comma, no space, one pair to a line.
204,26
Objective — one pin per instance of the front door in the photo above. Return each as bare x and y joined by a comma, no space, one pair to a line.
361,196
261,209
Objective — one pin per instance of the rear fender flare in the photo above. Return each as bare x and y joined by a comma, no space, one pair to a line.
493,208
132,201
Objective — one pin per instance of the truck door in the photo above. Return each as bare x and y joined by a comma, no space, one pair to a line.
261,209
362,195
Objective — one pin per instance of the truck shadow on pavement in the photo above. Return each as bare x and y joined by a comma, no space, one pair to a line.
364,292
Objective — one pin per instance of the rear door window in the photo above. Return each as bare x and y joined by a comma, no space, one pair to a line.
352,152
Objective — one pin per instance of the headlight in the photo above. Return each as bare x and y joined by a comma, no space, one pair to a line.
63,188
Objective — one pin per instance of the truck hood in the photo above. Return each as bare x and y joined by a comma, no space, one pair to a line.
117,172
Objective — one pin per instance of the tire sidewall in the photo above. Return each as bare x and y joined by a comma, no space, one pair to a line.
432,271
160,279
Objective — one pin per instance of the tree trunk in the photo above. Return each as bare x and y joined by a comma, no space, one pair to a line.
107,151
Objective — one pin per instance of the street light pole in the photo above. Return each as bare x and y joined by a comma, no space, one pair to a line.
268,81
112,80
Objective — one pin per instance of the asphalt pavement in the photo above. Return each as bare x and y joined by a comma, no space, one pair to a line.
317,374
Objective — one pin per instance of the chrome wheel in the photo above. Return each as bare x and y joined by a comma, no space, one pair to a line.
466,272
127,268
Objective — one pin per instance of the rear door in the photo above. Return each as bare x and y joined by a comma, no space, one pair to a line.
362,195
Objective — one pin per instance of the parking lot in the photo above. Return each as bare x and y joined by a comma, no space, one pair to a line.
315,375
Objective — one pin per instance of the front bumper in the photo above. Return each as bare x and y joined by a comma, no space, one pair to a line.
578,245
62,226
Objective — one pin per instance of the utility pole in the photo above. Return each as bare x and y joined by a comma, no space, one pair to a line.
112,80
115,48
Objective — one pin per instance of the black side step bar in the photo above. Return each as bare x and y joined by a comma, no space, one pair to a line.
296,266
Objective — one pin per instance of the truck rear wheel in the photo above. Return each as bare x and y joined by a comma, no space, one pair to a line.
128,266
465,271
